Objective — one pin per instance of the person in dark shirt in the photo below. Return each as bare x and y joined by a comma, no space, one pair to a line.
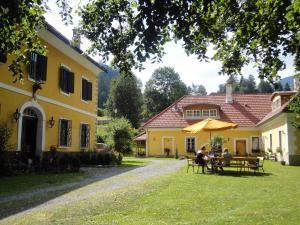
200,159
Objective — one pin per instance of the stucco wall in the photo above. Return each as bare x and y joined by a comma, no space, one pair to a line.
155,139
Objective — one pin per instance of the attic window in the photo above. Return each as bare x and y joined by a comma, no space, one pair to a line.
276,104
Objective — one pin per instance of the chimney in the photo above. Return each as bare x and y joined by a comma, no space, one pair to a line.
296,84
76,39
229,98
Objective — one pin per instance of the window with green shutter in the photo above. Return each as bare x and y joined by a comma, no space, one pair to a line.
86,90
38,67
65,132
66,80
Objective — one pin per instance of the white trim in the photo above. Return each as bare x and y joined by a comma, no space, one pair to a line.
66,67
45,99
41,123
185,142
68,51
163,144
240,139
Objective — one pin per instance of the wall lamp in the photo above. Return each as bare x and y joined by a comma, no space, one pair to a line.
51,122
16,115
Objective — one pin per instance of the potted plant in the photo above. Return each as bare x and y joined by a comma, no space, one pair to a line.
279,151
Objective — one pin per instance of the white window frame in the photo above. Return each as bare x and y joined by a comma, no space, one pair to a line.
83,77
60,90
87,144
213,110
186,142
205,110
259,143
29,78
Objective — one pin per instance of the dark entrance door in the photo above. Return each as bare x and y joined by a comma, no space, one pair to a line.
29,133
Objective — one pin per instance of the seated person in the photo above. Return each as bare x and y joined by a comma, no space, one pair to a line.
227,157
200,159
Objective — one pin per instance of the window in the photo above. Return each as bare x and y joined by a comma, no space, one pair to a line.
84,135
190,144
255,144
280,139
193,113
65,132
66,80
205,113
276,104
38,67
212,113
86,90
271,142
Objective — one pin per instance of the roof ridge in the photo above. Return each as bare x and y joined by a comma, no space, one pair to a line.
157,115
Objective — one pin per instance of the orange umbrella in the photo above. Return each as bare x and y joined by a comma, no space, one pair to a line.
209,125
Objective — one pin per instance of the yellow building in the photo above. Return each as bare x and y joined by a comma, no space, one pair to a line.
56,105
264,124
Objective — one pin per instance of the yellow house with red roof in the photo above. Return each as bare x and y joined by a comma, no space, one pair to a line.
264,124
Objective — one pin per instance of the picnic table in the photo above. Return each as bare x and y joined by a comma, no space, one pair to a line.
238,162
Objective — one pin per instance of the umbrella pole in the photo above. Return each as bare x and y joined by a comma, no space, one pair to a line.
210,139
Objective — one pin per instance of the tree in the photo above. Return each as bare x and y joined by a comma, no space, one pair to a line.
125,99
287,87
265,87
119,134
162,89
195,89
278,86
242,31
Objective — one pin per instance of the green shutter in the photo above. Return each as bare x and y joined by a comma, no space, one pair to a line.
61,78
89,91
32,66
71,82
84,89
43,67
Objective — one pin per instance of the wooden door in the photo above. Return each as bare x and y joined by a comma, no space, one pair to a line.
240,147
168,145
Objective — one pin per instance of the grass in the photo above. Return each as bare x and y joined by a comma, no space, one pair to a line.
182,198
29,182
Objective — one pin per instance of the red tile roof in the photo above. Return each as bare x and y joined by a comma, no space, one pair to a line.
246,110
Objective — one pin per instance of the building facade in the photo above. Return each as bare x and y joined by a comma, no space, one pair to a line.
56,103
264,124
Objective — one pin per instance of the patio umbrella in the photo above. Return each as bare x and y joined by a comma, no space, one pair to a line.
209,125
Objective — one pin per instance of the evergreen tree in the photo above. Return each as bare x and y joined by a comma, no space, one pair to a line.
125,99
265,87
195,89
287,87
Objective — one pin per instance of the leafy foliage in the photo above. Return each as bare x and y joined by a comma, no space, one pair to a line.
119,134
5,134
19,22
265,87
125,99
242,31
162,89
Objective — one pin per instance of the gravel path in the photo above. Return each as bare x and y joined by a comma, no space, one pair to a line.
111,179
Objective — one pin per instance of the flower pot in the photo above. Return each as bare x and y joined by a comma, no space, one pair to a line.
282,163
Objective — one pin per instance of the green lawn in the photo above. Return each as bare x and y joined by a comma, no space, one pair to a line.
28,182
183,198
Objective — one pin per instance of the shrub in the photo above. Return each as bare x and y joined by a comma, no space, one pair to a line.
63,163
74,164
100,139
107,158
119,134
100,159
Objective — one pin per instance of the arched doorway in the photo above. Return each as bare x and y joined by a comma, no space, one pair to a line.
31,132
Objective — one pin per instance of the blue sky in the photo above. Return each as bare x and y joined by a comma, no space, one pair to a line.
190,69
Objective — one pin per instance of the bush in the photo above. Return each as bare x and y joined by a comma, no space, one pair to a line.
74,164
63,163
100,139
119,134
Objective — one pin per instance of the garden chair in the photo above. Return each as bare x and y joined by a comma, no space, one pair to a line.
256,165
191,163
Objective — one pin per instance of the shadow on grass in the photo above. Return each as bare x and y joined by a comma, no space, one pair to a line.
235,173
13,204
